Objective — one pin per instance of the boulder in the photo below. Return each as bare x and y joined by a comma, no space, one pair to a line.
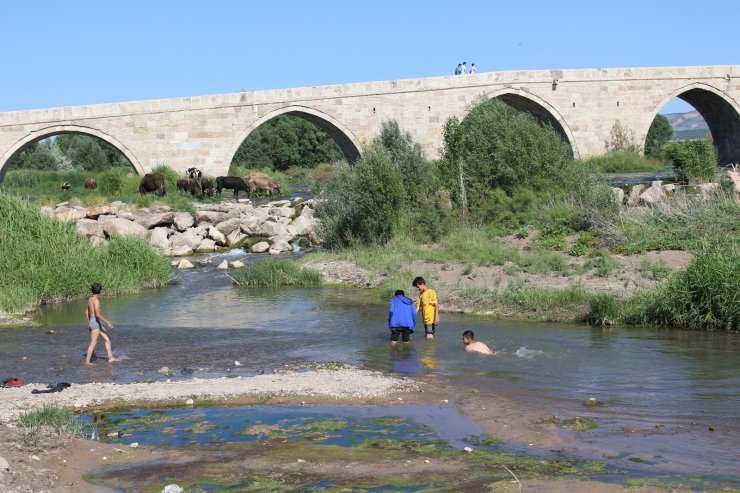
183,220
101,210
98,241
235,238
158,238
707,190
223,265
181,251
270,228
310,211
304,224
279,203
207,245
228,226
190,238
654,194
282,212
48,210
617,192
250,226
67,215
155,219
216,236
734,177
237,264
126,215
210,217
634,196
185,264
4,465
117,226
260,247
281,245
90,227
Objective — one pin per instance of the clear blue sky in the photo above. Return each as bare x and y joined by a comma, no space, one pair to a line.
57,53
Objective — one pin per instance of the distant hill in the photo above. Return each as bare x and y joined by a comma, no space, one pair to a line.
689,125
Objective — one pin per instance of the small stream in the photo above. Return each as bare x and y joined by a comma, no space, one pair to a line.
659,391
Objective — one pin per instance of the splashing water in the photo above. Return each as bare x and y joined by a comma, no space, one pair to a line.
523,352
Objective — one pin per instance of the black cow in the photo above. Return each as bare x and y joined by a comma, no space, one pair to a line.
152,182
189,185
194,173
66,187
207,185
235,183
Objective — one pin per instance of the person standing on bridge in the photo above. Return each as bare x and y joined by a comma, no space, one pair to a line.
464,69
458,69
473,70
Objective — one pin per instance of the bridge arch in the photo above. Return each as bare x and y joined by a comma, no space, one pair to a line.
543,111
343,136
42,133
720,111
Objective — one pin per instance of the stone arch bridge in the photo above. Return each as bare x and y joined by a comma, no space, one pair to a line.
205,131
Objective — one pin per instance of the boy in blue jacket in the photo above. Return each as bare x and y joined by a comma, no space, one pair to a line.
401,317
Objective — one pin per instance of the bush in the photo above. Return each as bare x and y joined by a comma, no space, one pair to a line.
276,273
363,205
114,181
170,177
604,309
417,174
624,162
43,259
693,160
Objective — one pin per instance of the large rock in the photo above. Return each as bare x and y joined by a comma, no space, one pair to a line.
124,214
654,194
260,247
734,177
153,220
210,217
270,228
282,212
67,215
98,241
216,236
250,226
181,251
304,224
190,238
617,192
309,211
185,264
101,210
708,190
117,226
158,238
90,227
281,245
634,196
227,227
235,238
183,221
206,245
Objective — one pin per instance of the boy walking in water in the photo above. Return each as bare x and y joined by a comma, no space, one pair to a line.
95,321
401,317
428,306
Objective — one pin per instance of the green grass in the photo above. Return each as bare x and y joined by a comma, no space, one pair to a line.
276,273
49,420
45,260
625,162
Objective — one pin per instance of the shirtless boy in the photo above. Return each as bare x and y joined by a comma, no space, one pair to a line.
474,347
95,321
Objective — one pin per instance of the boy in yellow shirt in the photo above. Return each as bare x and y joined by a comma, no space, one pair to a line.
428,306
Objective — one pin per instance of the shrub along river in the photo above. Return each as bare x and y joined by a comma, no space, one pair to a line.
658,391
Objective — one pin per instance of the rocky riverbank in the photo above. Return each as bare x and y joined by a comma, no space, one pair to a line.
269,228
658,192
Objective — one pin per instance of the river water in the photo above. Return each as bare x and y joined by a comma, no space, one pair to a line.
659,391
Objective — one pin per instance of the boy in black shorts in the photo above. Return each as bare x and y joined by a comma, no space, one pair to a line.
401,317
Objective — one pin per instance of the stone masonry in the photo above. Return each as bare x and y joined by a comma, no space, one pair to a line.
205,131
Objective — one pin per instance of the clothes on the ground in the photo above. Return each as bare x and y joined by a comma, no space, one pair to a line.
427,302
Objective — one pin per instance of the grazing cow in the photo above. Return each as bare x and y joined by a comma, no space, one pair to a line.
66,187
189,185
91,183
207,185
235,183
194,173
265,183
152,182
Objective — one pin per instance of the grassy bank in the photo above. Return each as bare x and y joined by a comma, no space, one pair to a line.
49,420
42,259
625,162
273,273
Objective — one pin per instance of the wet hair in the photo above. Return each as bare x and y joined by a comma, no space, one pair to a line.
96,288
469,334
399,292
417,281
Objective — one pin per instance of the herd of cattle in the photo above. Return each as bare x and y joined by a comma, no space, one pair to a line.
198,186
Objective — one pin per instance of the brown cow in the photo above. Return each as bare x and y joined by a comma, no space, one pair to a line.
91,183
152,182
190,186
265,183
207,186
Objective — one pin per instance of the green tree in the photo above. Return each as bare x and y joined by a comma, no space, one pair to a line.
659,133
454,159
83,151
416,173
39,155
285,142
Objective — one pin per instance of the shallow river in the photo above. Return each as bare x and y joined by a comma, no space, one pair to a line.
659,390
